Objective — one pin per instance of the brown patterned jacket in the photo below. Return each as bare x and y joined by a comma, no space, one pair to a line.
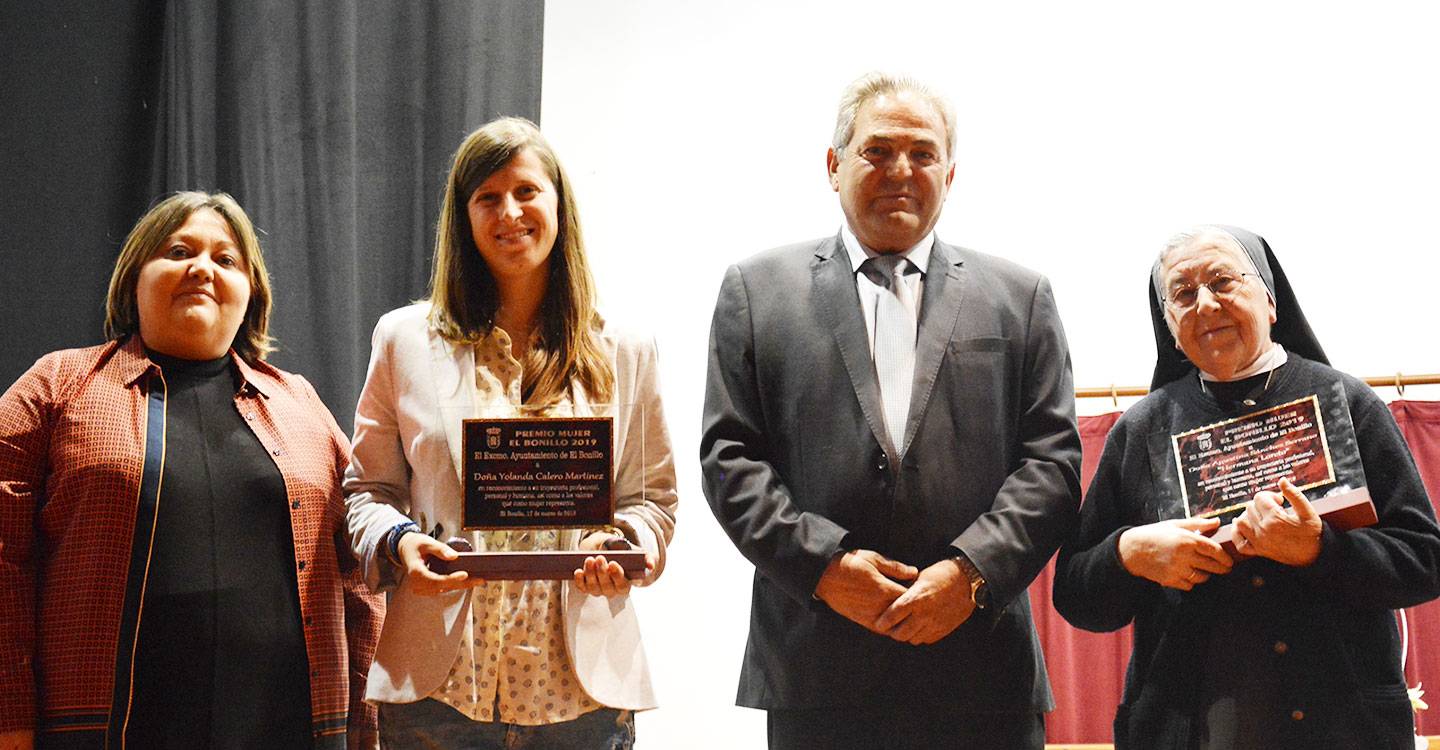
81,437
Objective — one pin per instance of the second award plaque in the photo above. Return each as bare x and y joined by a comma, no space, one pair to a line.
1219,467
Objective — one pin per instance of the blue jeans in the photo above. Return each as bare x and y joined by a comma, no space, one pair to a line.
431,725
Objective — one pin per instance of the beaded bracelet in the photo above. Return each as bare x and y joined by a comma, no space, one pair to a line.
392,540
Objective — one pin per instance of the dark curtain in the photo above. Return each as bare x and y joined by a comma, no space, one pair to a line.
77,110
332,124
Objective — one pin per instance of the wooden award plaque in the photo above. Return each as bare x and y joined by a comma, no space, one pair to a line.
538,473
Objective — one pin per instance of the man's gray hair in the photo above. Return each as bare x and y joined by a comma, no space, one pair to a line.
875,83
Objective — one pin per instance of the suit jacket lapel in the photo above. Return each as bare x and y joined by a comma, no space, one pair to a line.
833,287
453,368
939,314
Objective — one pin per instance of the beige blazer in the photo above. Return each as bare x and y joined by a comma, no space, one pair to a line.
406,467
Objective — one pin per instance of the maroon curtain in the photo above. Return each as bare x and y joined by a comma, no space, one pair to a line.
1420,424
1087,670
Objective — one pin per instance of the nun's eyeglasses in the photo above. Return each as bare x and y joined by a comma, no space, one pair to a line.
1225,286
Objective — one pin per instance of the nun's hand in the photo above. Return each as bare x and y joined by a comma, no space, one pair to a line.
1175,554
1286,535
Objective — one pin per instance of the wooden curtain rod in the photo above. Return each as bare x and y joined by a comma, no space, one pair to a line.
1396,381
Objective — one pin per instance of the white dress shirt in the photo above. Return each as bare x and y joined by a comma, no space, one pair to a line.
869,292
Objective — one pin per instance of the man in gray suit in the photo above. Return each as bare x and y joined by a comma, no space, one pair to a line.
889,436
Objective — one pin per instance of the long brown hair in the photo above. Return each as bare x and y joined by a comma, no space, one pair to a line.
122,310
463,293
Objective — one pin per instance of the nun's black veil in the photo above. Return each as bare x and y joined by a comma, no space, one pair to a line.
1291,329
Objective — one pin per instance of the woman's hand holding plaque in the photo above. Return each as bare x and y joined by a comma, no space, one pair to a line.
601,577
1286,535
1175,554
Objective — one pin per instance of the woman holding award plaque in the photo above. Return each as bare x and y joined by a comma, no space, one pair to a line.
509,328
174,571
1286,637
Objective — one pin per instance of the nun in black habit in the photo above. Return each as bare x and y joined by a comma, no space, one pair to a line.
1292,641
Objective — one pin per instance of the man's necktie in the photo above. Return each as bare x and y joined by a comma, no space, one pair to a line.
895,325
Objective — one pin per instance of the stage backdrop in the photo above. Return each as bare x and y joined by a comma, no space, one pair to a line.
332,124
1420,424
1087,670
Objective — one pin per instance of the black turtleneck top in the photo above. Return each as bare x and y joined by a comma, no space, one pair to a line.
220,659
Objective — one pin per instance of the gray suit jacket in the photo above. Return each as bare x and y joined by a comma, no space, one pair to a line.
796,467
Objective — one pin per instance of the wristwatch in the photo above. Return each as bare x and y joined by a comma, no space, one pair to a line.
979,590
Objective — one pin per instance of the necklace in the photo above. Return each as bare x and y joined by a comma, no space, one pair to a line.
1252,397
